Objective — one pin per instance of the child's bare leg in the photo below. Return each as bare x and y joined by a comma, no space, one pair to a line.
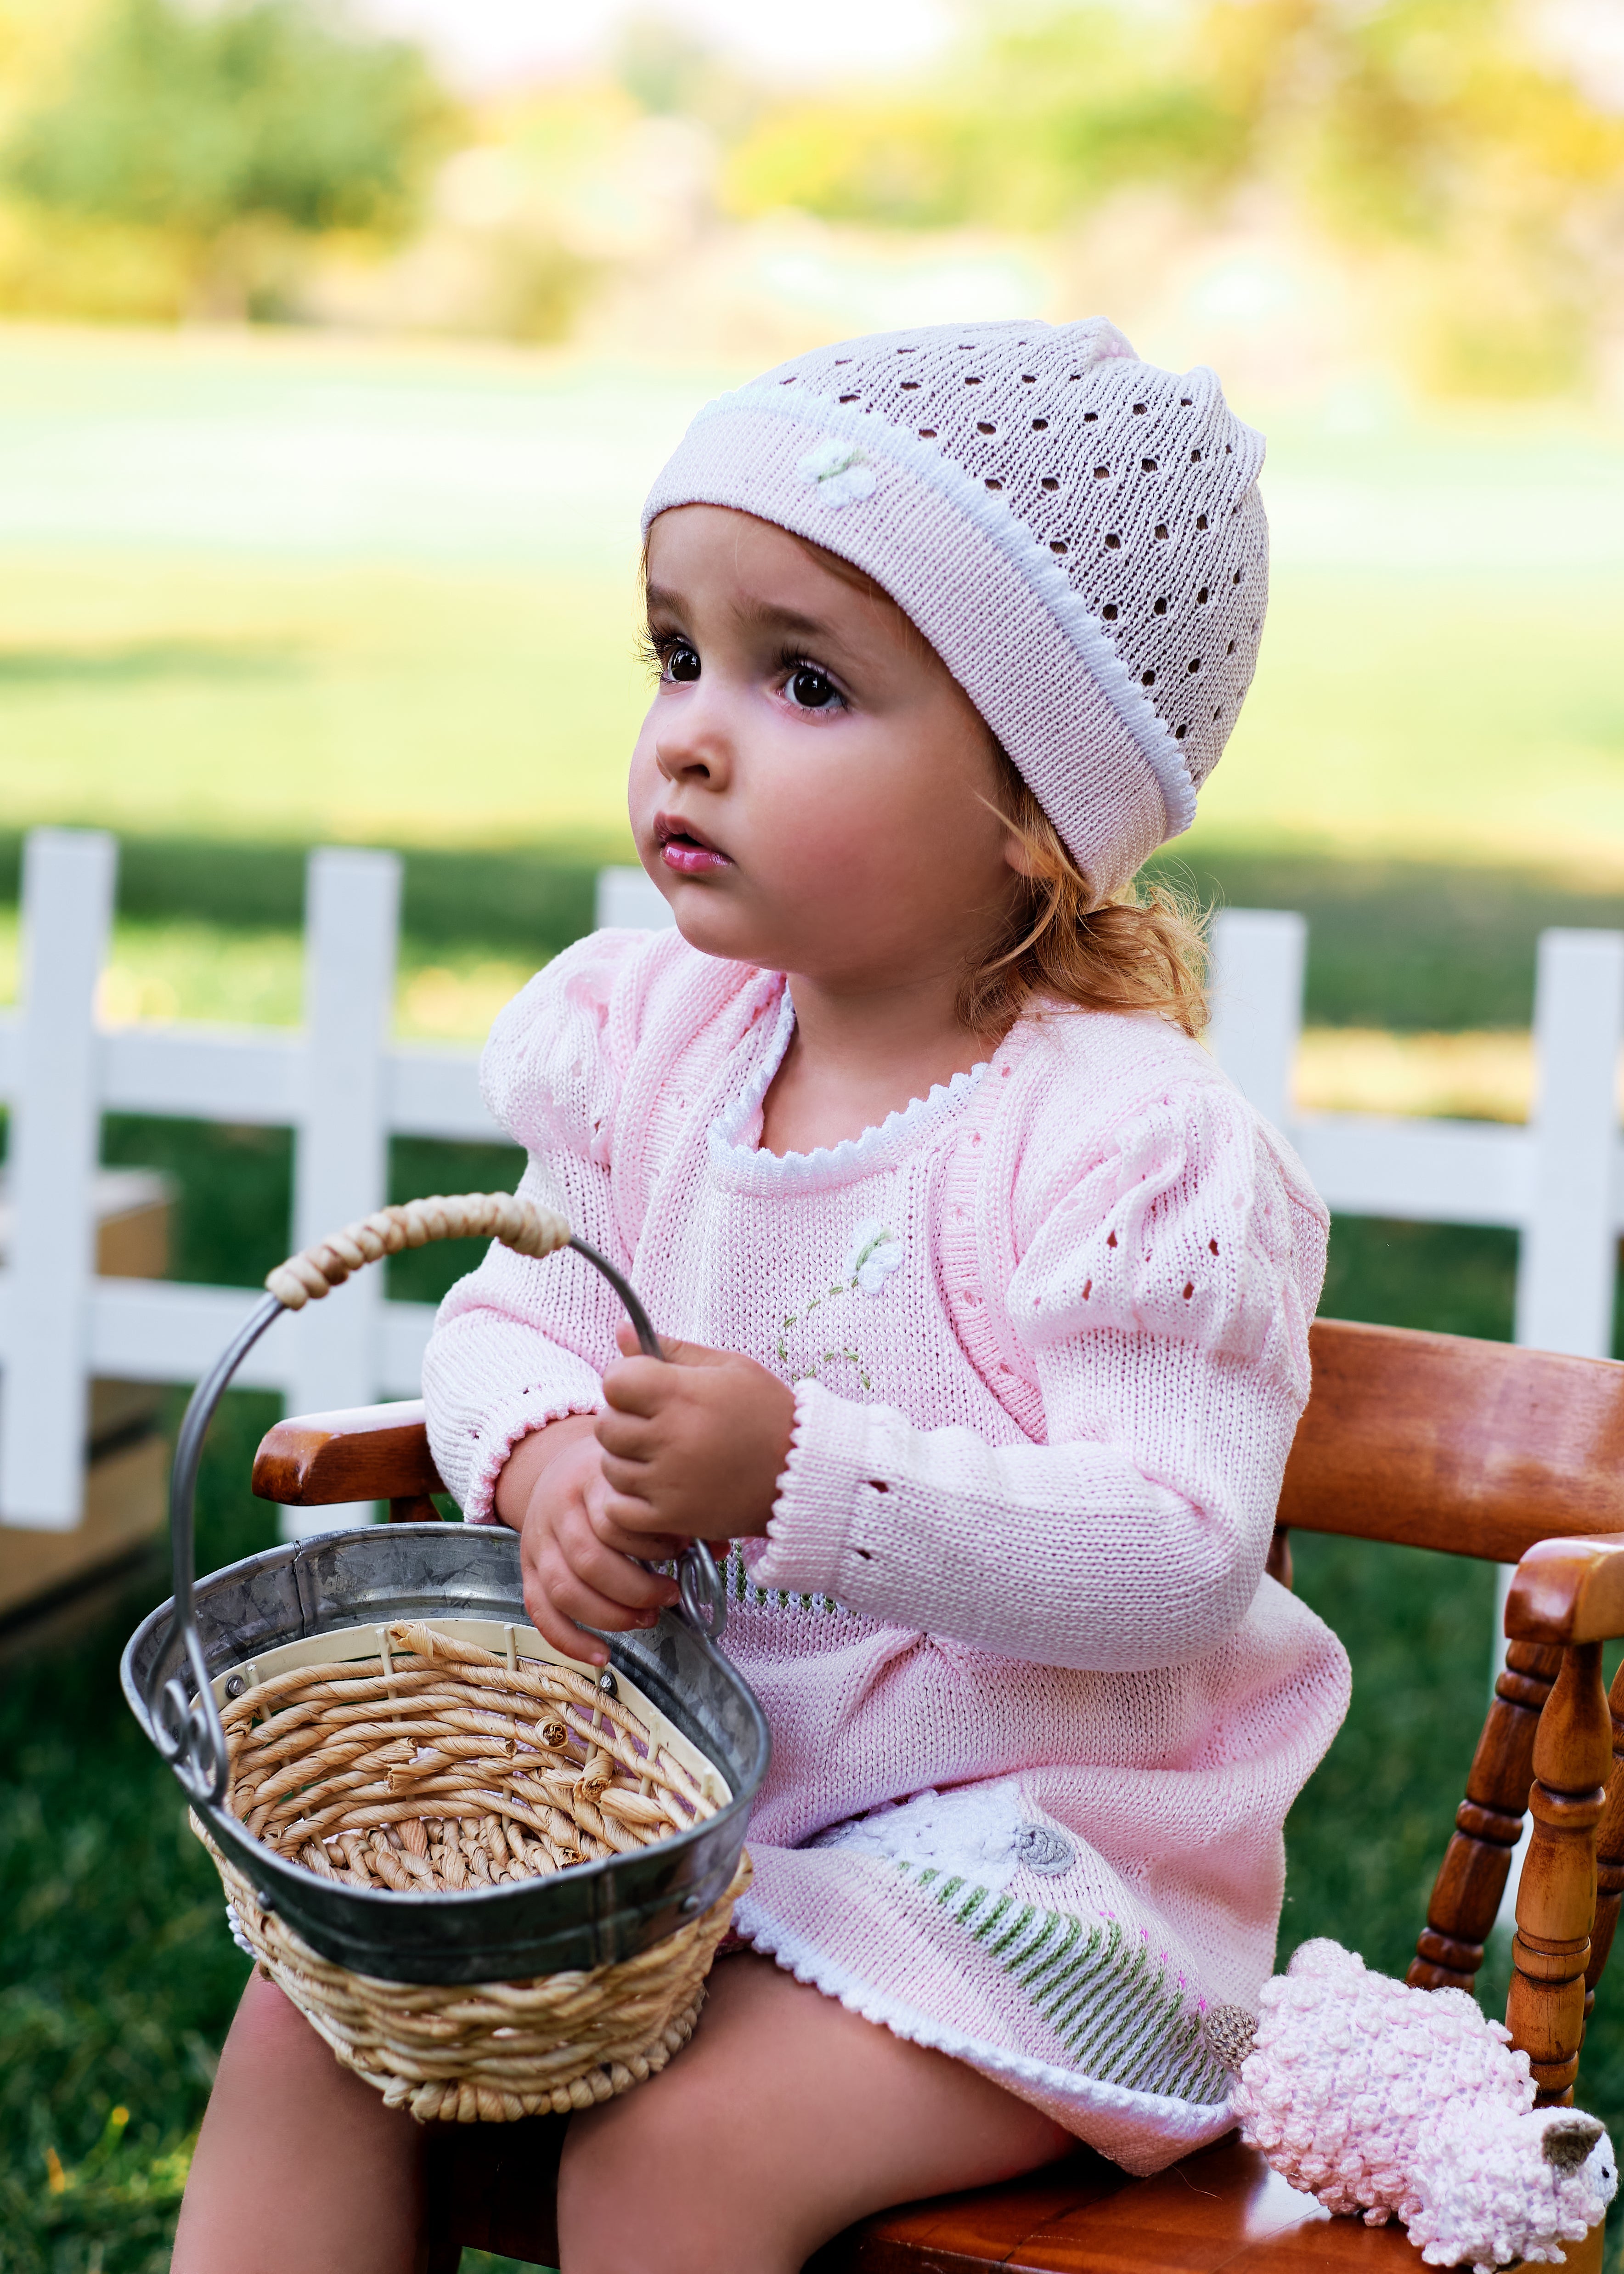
300,2168
786,2119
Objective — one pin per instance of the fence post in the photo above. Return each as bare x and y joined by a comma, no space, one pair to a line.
1256,966
351,916
1566,1256
68,878
629,899
1566,1261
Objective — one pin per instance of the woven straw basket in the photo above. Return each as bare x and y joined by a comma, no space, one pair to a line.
448,1769
343,1772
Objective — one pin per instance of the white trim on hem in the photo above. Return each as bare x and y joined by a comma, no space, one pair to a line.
1191,2123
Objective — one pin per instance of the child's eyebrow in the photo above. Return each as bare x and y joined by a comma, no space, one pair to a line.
761,614
767,618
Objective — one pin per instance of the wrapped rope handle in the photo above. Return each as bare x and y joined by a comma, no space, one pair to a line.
188,1731
518,1224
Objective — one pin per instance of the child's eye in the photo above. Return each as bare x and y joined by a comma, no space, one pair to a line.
682,661
808,688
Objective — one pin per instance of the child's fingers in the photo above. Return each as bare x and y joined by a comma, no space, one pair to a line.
645,1506
562,1633
676,1352
648,1546
637,1518
543,1592
624,1512
627,1436
564,1605
628,1476
637,1386
614,1574
626,1342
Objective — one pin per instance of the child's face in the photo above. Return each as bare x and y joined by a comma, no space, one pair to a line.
806,790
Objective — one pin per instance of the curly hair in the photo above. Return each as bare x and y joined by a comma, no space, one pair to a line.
1141,948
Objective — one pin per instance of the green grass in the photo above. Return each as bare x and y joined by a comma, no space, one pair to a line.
212,928
254,699
1417,716
118,1977
486,707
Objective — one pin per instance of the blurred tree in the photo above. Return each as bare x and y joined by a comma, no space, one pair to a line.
670,73
1043,119
232,133
1430,134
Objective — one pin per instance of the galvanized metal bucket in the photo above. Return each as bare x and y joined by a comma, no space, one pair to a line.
335,1595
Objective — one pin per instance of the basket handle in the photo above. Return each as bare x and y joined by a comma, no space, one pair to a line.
188,1731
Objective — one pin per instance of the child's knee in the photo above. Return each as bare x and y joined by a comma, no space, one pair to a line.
673,2216
270,2033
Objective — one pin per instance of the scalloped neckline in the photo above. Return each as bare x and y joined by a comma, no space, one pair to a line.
826,1164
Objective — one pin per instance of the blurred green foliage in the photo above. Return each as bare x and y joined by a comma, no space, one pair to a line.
159,158
229,135
118,1977
1432,134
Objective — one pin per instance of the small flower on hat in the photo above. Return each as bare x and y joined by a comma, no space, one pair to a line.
841,472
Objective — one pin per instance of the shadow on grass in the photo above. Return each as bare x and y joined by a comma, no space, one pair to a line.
1413,945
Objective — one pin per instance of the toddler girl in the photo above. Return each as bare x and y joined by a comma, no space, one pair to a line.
989,1298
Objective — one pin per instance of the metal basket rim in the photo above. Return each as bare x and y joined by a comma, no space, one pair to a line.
389,1902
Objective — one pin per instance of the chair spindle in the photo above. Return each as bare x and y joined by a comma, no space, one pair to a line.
1609,1852
1556,1895
1471,1878
413,1508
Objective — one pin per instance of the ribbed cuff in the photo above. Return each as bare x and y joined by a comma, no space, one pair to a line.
838,1465
516,1418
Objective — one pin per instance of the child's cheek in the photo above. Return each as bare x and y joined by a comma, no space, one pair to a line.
642,788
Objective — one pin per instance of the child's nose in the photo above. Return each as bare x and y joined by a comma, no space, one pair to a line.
696,748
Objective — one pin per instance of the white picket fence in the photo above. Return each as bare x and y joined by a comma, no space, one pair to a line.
345,1089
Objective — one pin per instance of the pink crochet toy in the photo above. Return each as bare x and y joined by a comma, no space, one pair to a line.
1409,2104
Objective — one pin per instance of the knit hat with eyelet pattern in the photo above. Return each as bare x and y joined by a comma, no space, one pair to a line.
1077,534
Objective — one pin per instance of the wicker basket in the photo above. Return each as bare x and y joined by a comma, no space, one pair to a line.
403,1808
445,1768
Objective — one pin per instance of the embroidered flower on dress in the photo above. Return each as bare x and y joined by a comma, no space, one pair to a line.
875,1254
840,470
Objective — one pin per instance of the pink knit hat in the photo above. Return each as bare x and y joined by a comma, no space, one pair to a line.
1077,534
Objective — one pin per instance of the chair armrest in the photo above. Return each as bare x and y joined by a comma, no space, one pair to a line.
367,1452
1568,1597
1568,1591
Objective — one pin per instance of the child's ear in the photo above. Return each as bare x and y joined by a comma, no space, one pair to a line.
1020,855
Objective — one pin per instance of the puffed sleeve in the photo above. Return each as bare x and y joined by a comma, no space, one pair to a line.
1163,1301
524,1341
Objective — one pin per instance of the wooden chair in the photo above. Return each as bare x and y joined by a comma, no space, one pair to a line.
1429,1440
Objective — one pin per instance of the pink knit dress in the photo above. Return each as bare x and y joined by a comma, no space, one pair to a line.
1037,1715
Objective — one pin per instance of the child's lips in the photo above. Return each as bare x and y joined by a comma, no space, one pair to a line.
690,860
685,850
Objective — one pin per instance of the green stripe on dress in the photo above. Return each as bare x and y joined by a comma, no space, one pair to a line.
1104,1995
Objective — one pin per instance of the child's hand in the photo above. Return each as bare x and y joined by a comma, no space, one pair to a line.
693,1446
578,1564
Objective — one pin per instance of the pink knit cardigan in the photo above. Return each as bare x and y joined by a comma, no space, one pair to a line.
1037,1714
